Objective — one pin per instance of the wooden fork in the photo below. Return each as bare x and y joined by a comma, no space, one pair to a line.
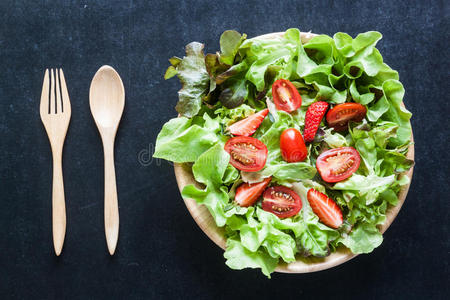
55,115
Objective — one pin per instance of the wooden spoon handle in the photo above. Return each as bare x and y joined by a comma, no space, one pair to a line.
58,203
111,203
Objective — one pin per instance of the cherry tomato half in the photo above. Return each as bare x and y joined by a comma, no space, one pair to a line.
248,193
338,164
285,95
281,201
246,153
339,116
292,146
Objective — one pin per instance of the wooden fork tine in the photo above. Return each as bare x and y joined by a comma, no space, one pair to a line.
44,95
52,92
64,92
59,107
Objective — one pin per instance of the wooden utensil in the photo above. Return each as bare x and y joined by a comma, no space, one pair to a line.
107,101
55,114
205,221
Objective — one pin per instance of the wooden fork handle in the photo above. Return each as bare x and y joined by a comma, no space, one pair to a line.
58,203
111,203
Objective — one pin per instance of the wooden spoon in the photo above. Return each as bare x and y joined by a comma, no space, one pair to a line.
107,100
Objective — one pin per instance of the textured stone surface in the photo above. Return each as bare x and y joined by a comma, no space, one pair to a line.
161,251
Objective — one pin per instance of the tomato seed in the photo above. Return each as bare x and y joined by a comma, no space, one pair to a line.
241,158
284,94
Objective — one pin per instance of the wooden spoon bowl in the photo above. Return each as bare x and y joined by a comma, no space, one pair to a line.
203,218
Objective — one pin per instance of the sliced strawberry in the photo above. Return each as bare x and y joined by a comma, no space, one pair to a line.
314,116
248,193
248,126
326,209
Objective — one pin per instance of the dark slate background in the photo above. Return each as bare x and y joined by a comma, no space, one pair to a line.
161,251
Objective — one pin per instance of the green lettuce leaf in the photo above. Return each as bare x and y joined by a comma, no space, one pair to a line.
215,199
368,57
393,162
378,109
210,169
180,134
363,239
234,94
314,237
282,171
365,99
382,132
363,183
259,233
230,176
256,72
361,211
359,54
367,152
372,143
170,72
238,258
394,92
230,116
366,187
344,44
230,41
305,65
316,67
334,140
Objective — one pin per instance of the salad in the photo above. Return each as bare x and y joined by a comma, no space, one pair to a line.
300,147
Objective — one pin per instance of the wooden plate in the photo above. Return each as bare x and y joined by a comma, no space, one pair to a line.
206,222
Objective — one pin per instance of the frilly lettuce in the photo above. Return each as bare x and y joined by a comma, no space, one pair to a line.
363,239
209,169
180,134
230,116
195,79
238,257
